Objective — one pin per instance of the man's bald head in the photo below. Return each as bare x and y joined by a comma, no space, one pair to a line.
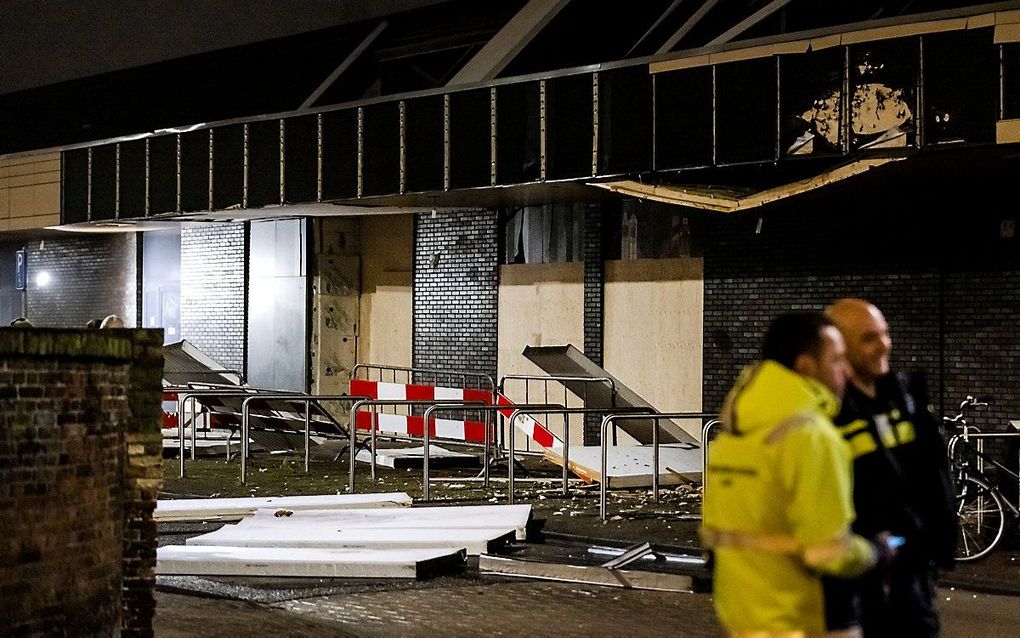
867,338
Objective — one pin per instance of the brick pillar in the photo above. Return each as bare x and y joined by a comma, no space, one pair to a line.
456,290
594,289
80,454
142,479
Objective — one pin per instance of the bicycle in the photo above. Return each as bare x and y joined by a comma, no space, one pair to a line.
980,505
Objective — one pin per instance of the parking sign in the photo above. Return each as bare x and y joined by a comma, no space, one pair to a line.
20,269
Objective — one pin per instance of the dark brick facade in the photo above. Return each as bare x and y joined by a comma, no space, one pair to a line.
80,454
926,249
456,286
594,308
214,291
91,276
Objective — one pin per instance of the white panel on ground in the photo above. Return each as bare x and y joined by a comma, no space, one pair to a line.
260,533
317,563
468,517
400,458
205,509
631,465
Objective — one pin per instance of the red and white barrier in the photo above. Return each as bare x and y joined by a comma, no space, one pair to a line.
530,427
170,410
407,392
473,431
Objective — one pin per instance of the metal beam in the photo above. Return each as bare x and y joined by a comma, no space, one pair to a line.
687,26
750,21
348,61
508,42
665,14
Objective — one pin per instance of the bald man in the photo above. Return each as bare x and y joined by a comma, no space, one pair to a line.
111,321
901,477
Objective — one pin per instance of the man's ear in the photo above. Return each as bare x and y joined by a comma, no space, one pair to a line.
805,365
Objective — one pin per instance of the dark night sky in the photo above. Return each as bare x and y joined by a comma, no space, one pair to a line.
48,41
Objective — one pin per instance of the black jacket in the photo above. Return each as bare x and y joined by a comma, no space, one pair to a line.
902,481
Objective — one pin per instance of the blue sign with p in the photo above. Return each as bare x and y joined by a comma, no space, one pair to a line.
20,269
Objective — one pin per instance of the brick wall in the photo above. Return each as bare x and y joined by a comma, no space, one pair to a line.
91,276
80,454
948,284
213,291
455,303
141,481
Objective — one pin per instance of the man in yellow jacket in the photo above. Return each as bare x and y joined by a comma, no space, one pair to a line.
777,506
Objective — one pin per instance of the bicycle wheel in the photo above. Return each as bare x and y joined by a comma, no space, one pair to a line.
981,518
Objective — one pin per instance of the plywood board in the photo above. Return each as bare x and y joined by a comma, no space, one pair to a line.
384,333
631,466
205,509
553,296
467,517
653,332
315,563
628,579
475,541
1007,131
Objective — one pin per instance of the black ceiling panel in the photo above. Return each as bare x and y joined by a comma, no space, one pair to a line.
301,159
132,179
683,118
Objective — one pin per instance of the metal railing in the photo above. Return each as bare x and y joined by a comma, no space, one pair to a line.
484,381
706,432
612,418
487,409
192,395
562,380
307,400
972,432
524,411
373,433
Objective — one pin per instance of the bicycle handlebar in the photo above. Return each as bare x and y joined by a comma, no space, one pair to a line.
969,402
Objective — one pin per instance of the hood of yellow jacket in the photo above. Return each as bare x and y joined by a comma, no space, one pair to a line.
768,393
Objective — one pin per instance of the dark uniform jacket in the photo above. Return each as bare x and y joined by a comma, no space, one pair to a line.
902,481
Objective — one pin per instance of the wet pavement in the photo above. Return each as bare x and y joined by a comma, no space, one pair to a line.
472,604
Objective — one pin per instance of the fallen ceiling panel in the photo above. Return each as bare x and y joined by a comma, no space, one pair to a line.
569,361
475,541
631,465
315,563
191,509
468,517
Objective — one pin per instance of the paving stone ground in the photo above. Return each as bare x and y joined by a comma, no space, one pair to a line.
473,605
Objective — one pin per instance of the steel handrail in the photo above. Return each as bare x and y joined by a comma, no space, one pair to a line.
558,379
412,370
612,418
487,409
373,433
182,401
706,430
307,400
523,411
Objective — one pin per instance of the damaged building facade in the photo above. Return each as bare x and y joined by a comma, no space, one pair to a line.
452,183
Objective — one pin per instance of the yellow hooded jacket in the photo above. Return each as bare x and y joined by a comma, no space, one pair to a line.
777,507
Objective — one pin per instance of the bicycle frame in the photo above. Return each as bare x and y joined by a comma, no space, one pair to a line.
977,449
